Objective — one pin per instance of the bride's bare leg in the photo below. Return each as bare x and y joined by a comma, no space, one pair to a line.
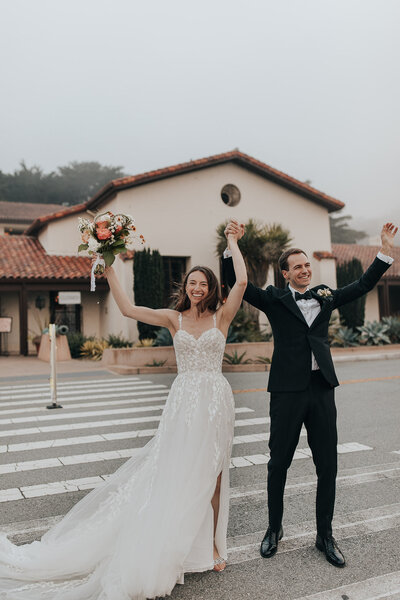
219,566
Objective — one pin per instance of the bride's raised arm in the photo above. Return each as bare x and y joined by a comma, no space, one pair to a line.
162,316
234,300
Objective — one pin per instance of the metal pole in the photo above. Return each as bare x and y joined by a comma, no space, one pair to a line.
53,363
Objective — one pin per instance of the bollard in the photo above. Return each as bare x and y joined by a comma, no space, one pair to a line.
53,363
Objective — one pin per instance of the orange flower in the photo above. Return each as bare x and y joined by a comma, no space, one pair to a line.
103,233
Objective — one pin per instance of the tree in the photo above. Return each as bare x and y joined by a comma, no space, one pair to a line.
341,233
70,184
353,314
261,246
148,286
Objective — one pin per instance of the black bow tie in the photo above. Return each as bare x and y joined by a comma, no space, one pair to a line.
306,296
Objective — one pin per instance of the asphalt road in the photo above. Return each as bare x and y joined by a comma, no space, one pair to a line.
49,460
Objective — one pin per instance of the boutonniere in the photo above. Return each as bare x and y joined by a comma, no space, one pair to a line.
325,294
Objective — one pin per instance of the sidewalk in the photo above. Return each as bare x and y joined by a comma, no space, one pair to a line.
20,367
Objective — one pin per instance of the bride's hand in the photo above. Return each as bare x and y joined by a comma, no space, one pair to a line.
234,230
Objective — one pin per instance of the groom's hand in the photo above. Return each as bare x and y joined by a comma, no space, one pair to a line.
387,237
235,229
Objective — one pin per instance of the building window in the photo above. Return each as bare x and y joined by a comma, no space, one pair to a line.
230,194
65,314
174,271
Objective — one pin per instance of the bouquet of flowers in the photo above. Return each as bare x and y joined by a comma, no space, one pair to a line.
104,238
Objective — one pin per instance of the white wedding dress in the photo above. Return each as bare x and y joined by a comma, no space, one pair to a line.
136,535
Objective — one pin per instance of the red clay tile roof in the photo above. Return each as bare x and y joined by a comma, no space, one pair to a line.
247,162
320,254
366,254
25,212
23,257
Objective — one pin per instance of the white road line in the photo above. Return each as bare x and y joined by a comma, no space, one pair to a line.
61,384
45,400
35,390
110,423
86,396
243,548
121,435
301,453
49,463
93,404
346,478
78,415
375,588
94,413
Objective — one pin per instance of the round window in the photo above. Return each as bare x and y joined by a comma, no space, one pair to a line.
230,194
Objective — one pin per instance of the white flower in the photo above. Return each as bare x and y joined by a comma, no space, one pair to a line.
325,293
93,245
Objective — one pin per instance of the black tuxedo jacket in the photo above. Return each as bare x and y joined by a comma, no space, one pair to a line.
294,340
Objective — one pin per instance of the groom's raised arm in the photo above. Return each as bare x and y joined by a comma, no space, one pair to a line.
370,278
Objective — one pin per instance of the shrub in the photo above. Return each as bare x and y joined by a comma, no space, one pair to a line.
244,329
374,333
118,341
352,314
75,342
145,343
393,331
236,359
344,337
164,338
148,286
93,349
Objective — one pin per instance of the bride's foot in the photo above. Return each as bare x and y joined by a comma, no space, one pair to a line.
219,563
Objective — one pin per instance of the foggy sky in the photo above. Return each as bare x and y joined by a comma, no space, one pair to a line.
311,87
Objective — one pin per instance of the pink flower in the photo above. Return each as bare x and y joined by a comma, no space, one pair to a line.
103,233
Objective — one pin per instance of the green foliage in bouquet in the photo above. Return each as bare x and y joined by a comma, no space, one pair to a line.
352,314
148,286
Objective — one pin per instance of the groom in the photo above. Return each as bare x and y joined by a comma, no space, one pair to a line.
302,379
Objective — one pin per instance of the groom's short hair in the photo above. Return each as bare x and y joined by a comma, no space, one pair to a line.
283,259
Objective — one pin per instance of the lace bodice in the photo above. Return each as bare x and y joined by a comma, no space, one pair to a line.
204,353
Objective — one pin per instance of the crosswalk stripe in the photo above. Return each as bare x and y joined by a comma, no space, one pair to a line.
72,389
376,588
74,383
94,404
94,413
63,461
243,548
81,404
106,437
85,395
111,423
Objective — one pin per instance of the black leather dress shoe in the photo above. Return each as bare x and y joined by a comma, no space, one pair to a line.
332,552
269,545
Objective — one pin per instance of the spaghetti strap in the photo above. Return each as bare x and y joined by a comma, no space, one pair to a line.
180,320
215,319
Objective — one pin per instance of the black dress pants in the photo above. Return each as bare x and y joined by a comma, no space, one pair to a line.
315,407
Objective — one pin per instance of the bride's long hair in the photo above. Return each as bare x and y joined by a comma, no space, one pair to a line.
211,302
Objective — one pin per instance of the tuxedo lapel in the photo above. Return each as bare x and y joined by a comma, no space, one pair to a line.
291,304
325,306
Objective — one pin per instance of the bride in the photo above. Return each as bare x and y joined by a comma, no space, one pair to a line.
165,511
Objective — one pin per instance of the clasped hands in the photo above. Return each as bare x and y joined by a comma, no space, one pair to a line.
234,230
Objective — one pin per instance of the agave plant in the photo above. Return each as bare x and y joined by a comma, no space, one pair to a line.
118,341
156,363
236,359
374,333
93,349
393,332
345,337
145,343
164,338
